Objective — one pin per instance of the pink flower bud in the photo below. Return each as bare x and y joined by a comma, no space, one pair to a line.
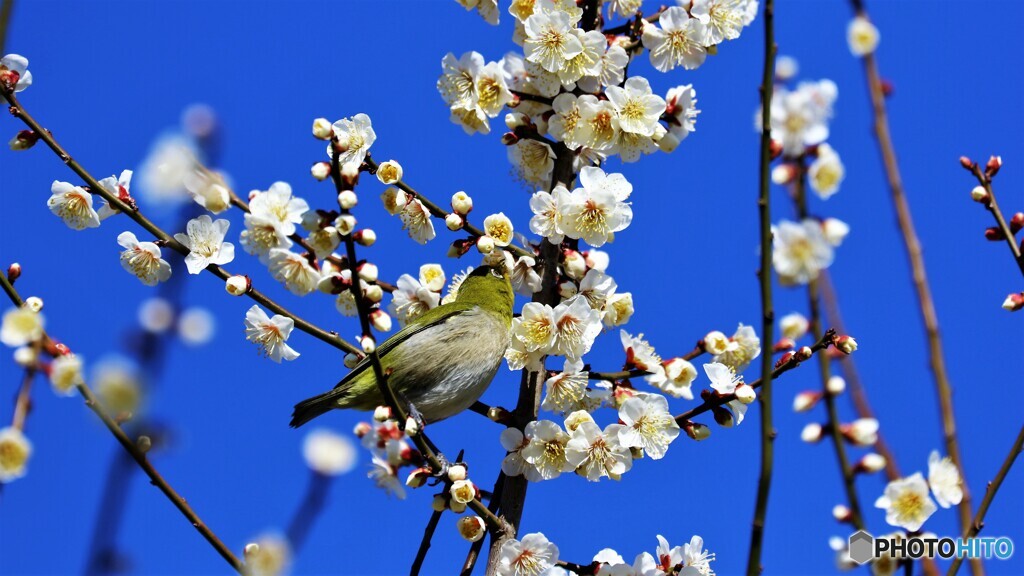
846,344
993,165
23,140
13,272
380,320
697,431
1014,302
806,400
979,194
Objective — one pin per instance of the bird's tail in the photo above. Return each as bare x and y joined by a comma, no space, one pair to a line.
312,407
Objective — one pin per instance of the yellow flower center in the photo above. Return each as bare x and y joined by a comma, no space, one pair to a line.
908,505
13,454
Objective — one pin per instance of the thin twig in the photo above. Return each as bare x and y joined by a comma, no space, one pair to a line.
18,111
307,512
23,403
912,243
990,493
993,207
493,506
140,458
428,535
6,8
767,312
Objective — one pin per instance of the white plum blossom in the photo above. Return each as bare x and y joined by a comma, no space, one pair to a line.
689,559
546,207
279,206
725,381
835,231
15,451
613,67
118,187
411,299
354,137
679,376
724,19
74,205
535,327
597,287
596,453
588,62
294,271
525,279
385,476
800,252
944,479
598,209
618,309
19,64
564,126
499,228
328,453
641,354
598,125
550,40
680,41
21,326
143,260
794,325
906,502
170,163
681,110
637,108
488,9
826,173
432,277
799,118
532,556
862,36
417,221
566,391
205,242
513,441
545,450
270,334
575,326
209,190
743,347
66,373
647,424
261,235
533,161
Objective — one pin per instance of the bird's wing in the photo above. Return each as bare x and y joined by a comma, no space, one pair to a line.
427,320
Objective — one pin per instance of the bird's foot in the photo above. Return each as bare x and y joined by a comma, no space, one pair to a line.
445,465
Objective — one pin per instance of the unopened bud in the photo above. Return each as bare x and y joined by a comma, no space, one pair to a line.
775,147
979,194
806,400
723,417
345,224
144,443
454,222
846,344
347,199
841,513
123,417
574,264
412,426
1017,222
515,120
871,463
783,344
380,320
509,138
322,129
567,289
237,285
803,353
888,88
783,174
350,173
1014,302
367,343
457,472
34,303
417,477
456,507
697,431
994,234
365,237
993,165
389,172
373,293
835,385
251,549
485,244
367,271
25,356
967,163
462,491
784,359
812,433
13,272
462,203
668,143
320,171
440,503
471,528
382,413
862,431
362,429
23,140
745,393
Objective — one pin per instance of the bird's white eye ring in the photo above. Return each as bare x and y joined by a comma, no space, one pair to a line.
496,273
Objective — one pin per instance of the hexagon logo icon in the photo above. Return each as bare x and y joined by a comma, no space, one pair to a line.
862,547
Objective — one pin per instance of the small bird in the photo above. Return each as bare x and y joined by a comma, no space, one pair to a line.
441,362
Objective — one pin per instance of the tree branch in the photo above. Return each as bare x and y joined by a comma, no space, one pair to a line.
992,206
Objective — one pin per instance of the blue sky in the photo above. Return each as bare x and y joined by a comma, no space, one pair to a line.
111,76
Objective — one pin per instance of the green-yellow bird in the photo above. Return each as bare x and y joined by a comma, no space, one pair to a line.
441,362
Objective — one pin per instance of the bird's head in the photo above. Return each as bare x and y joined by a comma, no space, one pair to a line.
489,287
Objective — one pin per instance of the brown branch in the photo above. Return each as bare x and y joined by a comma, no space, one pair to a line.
18,111
6,8
23,402
493,506
439,212
139,455
628,26
926,303
990,493
985,180
764,481
428,535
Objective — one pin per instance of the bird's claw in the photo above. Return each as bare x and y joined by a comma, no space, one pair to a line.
444,464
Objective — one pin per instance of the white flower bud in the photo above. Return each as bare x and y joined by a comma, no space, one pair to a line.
252,549
783,174
454,222
846,344
368,344
347,199
367,271
34,303
345,224
394,200
373,293
389,172
668,143
462,491
472,528
515,120
485,244
840,513
745,393
320,171
806,400
457,472
862,431
323,129
575,265
835,230
794,325
716,343
457,507
351,360
380,320
462,203
25,356
412,427
811,433
365,237
573,421
350,173
835,385
567,289
698,431
382,413
872,462
786,67
439,503
237,285
979,194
